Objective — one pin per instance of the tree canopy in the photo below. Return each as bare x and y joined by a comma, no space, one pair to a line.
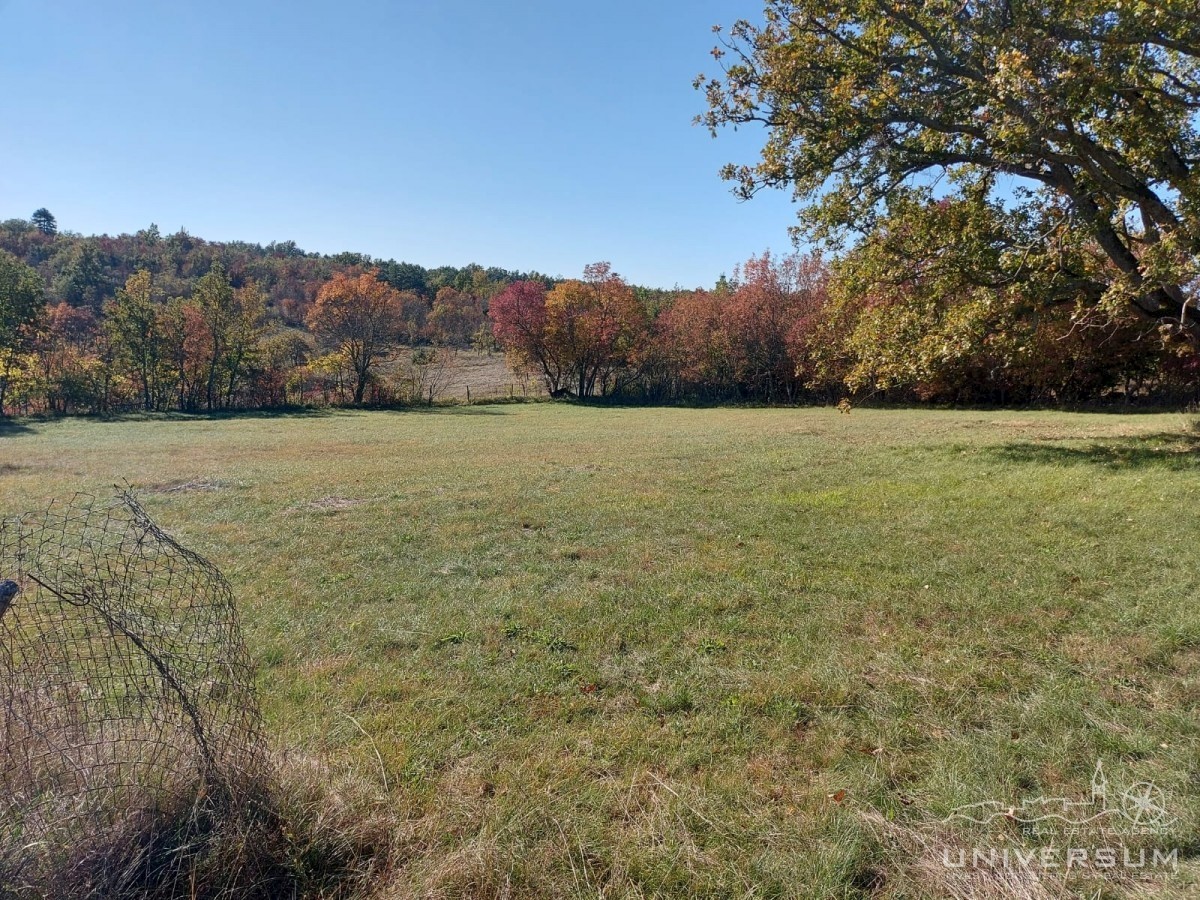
360,316
43,220
20,303
1080,115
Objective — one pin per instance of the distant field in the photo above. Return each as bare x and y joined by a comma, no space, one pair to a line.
667,652
475,376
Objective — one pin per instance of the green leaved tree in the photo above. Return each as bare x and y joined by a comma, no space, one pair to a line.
43,220
228,326
1083,113
21,291
139,330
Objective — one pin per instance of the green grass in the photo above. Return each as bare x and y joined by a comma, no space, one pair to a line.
645,651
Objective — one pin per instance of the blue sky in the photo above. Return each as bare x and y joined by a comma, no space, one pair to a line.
530,135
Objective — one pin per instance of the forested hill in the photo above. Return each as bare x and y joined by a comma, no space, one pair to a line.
85,271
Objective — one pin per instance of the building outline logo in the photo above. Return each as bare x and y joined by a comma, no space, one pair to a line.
1141,805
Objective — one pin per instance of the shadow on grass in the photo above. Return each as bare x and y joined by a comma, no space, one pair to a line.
11,428
322,412
14,428
1174,451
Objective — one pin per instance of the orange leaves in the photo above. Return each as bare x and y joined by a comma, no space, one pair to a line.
360,316
582,335
750,341
350,304
456,316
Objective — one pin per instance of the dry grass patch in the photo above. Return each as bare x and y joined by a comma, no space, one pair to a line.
186,486
331,504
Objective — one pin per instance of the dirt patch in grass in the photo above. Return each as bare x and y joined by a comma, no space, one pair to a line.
1015,423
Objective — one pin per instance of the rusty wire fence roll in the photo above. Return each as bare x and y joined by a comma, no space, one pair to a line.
128,714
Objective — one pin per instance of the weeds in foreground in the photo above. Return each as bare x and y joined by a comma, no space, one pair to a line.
306,832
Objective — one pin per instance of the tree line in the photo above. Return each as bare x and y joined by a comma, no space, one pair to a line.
917,311
154,322
1007,196
800,329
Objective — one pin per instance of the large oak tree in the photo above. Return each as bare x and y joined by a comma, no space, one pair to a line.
1091,105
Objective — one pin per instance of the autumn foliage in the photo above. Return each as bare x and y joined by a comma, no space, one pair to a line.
582,336
748,341
360,317
954,301
594,337
518,316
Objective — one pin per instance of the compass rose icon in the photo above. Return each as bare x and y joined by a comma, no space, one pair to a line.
1144,804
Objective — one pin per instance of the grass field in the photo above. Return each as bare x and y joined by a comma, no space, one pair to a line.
699,652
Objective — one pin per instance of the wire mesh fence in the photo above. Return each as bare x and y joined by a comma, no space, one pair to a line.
126,694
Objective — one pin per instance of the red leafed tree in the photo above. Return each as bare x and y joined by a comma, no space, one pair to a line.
188,351
769,320
518,315
73,360
361,317
751,341
696,344
582,336
596,328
